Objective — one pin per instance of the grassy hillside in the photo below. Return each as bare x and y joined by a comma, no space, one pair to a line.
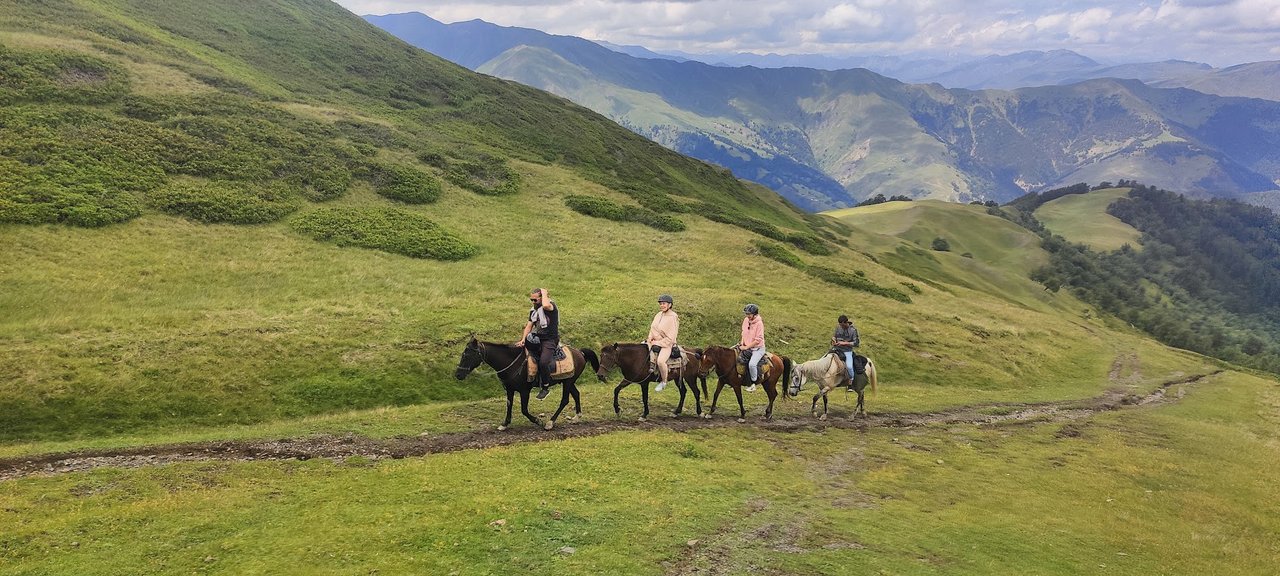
220,231
1083,218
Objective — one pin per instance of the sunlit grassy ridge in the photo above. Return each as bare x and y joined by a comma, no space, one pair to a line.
1083,218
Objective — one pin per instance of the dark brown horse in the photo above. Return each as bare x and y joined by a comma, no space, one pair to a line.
511,366
632,359
724,361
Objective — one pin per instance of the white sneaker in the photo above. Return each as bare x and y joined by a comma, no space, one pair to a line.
751,388
660,386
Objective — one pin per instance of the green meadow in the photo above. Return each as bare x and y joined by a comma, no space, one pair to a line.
1083,218
268,220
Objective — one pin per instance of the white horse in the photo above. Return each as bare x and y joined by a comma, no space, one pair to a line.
830,373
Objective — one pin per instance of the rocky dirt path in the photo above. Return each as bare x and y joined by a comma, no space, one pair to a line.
329,446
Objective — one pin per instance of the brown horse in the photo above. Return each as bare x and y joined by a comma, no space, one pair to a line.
725,360
632,359
510,364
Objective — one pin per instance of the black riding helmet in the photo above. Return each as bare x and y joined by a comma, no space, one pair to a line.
666,298
751,309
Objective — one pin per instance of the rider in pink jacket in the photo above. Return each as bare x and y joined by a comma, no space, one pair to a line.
753,340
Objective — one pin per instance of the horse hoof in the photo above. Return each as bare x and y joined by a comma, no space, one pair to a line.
642,419
822,417
742,420
675,414
706,416
502,428
574,418
549,425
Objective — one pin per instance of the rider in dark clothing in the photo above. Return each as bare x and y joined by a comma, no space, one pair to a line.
541,336
844,340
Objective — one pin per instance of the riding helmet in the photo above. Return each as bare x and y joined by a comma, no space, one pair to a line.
751,309
667,298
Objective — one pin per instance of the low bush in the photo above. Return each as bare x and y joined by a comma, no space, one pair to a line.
779,253
386,229
604,208
226,201
57,76
856,281
809,243
403,183
484,175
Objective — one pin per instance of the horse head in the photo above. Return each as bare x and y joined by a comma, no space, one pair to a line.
608,358
797,382
471,358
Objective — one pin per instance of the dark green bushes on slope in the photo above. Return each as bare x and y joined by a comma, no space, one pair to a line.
226,201
603,208
386,229
854,281
55,76
484,175
403,183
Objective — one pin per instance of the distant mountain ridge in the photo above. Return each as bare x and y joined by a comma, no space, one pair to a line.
826,139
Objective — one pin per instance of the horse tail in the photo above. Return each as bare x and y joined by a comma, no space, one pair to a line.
786,376
871,374
591,359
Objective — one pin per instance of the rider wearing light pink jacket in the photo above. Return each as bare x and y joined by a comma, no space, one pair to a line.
753,339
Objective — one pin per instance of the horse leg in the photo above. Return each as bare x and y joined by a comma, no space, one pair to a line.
861,409
742,410
813,409
524,407
825,392
511,398
617,411
564,401
644,398
577,404
716,399
679,381
696,399
770,388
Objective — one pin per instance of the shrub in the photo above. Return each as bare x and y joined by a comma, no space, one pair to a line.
779,253
940,244
810,243
486,175
386,229
856,282
57,76
403,183
226,201
607,209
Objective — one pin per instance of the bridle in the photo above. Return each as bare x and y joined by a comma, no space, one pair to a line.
479,351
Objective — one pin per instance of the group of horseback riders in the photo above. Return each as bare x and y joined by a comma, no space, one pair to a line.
541,339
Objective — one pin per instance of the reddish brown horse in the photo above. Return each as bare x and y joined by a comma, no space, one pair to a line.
632,359
724,361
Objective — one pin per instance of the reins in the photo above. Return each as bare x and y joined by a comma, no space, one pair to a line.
480,351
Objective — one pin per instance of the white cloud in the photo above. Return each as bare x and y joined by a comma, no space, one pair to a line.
1216,31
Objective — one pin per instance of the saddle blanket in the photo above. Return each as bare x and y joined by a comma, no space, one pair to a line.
563,368
674,362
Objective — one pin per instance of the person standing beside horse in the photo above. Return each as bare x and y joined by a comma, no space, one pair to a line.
753,340
541,336
844,340
663,332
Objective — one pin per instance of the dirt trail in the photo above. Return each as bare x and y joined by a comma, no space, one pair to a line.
328,446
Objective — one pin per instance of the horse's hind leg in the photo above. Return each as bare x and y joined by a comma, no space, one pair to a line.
511,398
861,409
577,403
742,409
770,388
644,398
697,400
679,381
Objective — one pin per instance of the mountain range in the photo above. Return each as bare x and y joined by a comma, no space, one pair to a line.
830,138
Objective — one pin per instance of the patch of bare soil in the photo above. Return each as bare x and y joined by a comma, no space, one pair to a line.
340,447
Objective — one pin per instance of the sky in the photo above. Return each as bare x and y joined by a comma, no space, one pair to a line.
1219,32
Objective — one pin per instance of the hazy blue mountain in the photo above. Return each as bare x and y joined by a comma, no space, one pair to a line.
1253,80
1029,68
826,139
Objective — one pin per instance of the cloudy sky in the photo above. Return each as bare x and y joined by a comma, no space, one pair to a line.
1220,32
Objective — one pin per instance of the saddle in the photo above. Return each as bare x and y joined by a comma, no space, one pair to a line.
563,368
676,361
765,366
859,362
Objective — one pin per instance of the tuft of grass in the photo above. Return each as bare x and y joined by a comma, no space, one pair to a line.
403,183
